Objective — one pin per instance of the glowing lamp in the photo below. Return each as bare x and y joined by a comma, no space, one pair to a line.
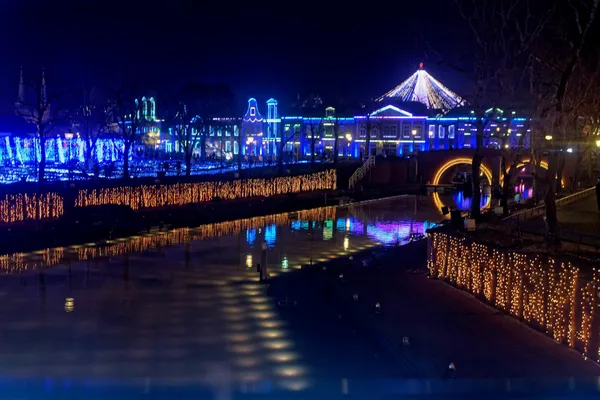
349,137
68,135
414,132
598,143
548,137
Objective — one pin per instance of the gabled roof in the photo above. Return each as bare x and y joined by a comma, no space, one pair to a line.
390,111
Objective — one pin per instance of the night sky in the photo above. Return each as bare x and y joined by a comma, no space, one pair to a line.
260,49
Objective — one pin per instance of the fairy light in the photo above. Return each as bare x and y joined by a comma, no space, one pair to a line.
30,206
140,197
551,295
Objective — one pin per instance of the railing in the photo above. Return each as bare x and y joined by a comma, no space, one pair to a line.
361,172
539,210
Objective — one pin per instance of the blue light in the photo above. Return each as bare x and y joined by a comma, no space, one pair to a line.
250,236
271,234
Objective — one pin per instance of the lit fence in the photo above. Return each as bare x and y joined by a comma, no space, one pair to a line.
30,206
550,295
140,197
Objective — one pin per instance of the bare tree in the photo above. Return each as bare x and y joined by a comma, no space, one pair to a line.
557,60
43,112
93,121
184,134
128,113
503,33
286,136
314,132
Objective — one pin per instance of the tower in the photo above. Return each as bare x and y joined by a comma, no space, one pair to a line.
272,125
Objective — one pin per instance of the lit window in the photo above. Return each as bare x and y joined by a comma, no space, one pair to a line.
235,148
451,132
228,146
431,131
441,132
252,111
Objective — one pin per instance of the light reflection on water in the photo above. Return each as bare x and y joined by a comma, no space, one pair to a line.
171,278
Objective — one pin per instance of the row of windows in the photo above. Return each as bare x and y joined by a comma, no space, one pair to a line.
441,129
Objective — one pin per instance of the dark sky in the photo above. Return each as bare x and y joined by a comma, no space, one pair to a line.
358,50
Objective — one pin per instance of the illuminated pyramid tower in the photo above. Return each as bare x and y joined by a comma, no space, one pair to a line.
424,88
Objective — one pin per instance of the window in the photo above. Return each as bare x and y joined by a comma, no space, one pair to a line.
431,131
227,131
441,131
228,146
406,131
287,127
374,132
363,131
451,132
236,132
236,149
418,131
252,111
390,131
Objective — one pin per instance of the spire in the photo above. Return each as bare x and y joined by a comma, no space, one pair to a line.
21,95
43,88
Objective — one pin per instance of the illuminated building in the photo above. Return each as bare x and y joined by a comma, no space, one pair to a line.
420,114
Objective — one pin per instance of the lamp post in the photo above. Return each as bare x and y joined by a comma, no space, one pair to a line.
68,138
414,134
349,139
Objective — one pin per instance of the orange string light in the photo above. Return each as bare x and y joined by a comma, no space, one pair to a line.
141,197
551,295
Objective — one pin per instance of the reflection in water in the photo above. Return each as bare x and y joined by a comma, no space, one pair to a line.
271,234
463,202
250,235
207,296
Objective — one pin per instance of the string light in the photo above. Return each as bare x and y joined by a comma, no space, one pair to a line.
140,197
30,206
551,295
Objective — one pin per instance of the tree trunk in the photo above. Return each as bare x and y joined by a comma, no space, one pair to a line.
335,148
42,165
188,162
559,173
126,151
551,218
476,182
203,147
505,194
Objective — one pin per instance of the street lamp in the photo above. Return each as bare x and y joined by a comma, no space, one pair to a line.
548,137
349,139
414,134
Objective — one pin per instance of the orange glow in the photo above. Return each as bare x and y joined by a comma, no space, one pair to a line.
457,161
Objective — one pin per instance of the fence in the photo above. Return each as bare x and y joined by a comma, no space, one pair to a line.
539,210
550,295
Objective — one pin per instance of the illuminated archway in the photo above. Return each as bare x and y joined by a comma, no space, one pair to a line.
449,164
458,161
543,164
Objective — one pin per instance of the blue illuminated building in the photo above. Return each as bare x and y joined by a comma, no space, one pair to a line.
420,114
